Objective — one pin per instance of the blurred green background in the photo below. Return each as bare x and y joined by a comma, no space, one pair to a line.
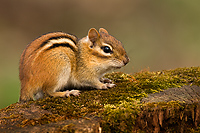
156,34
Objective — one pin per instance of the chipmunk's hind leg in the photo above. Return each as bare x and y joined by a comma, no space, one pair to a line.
26,93
64,93
39,95
62,82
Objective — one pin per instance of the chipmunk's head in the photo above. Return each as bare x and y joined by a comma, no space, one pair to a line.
106,50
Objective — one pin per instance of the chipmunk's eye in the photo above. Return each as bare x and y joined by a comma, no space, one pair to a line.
106,49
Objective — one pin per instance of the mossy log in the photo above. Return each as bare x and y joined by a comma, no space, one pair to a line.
164,101
173,110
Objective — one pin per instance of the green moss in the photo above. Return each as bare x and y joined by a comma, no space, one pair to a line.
137,87
164,105
120,117
118,107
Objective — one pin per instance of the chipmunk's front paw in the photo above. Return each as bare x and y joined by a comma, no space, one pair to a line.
107,86
72,92
110,85
106,80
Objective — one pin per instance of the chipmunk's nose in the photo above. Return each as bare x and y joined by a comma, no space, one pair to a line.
126,60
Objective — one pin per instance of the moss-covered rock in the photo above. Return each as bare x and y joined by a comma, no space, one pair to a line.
119,108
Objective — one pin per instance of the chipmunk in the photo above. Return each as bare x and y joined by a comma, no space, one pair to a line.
57,60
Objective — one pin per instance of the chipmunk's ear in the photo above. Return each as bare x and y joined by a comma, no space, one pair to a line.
93,35
103,30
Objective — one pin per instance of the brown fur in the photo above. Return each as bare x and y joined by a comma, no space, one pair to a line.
76,64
